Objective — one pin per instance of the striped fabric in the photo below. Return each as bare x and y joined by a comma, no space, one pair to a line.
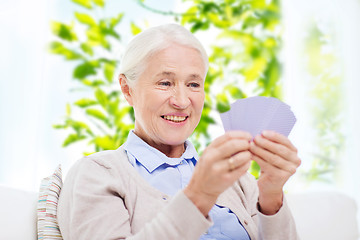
47,206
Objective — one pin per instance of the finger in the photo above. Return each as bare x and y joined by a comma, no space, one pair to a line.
237,161
277,149
238,171
268,167
272,159
231,135
240,159
234,146
227,149
241,170
278,138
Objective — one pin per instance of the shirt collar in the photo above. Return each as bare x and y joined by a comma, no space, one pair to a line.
151,158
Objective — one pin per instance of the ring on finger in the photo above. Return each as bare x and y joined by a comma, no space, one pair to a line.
231,162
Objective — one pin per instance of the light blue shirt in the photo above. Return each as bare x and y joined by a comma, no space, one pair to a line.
170,175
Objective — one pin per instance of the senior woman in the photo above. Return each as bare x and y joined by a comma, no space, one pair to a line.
155,186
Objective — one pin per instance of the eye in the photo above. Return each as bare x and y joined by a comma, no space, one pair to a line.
194,85
165,83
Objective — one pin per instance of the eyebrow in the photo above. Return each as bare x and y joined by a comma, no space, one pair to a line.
171,74
168,74
195,76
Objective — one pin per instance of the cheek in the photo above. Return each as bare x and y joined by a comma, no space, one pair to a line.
199,101
154,102
198,104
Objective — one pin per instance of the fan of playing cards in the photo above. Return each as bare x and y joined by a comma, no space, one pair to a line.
256,114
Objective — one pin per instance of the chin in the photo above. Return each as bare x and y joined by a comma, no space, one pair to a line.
174,139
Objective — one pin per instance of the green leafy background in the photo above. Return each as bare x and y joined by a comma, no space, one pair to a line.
246,37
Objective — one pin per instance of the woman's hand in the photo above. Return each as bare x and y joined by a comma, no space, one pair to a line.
225,160
278,160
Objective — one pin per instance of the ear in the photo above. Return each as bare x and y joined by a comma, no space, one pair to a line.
125,89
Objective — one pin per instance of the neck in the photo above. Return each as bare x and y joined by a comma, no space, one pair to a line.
171,151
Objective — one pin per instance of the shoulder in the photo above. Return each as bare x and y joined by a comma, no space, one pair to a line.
108,159
101,165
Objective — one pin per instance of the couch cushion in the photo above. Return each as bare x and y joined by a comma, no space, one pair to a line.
50,188
17,214
324,215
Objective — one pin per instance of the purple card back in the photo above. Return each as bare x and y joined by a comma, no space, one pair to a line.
256,114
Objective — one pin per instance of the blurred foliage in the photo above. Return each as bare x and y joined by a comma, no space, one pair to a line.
245,40
105,117
326,81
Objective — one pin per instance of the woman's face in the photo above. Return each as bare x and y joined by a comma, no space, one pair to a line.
168,97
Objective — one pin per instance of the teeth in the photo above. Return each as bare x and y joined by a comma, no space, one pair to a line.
175,118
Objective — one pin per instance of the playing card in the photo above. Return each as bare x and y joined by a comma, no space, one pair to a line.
225,118
256,114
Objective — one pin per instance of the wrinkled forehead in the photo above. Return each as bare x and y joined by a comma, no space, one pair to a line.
176,59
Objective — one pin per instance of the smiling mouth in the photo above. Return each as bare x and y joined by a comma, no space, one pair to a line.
174,118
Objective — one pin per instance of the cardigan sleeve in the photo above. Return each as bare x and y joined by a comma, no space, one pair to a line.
280,226
91,208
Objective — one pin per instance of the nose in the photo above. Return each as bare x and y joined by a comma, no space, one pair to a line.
180,98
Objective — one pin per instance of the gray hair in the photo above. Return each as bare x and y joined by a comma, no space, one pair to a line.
150,42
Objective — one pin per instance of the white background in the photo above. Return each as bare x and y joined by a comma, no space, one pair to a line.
34,85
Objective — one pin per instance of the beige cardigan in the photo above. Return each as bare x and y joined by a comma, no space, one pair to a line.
103,197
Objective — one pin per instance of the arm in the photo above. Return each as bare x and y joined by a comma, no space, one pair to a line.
223,162
280,226
278,161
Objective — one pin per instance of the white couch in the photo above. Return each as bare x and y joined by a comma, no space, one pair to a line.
318,215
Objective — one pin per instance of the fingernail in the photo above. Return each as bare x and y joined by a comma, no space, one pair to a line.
266,133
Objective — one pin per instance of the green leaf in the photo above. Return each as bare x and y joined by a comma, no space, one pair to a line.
235,92
114,106
116,20
199,25
85,19
72,138
84,3
120,114
63,31
94,83
87,49
255,169
96,37
58,48
106,143
78,126
135,29
60,126
100,3
85,102
68,109
222,103
208,119
96,114
255,70
101,96
109,70
214,18
88,153
83,70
